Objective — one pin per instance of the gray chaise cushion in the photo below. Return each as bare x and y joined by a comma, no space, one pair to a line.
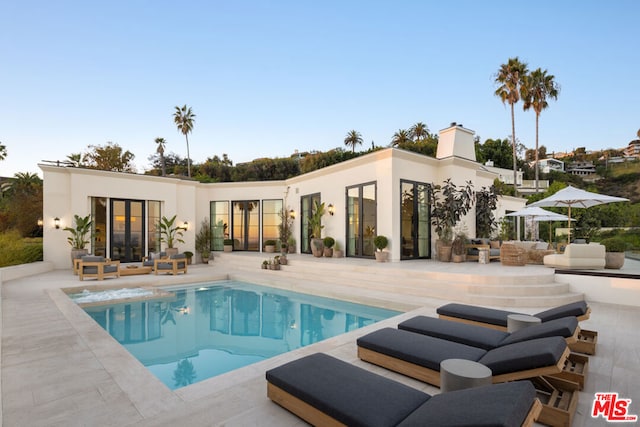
498,405
525,355
476,336
499,317
472,312
416,348
573,309
564,327
349,394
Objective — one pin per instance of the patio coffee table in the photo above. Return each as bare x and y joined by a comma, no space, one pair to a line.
134,271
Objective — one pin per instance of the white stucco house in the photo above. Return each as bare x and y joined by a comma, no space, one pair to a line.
381,193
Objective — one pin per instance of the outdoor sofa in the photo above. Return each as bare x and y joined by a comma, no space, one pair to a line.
149,261
589,256
474,246
97,267
326,391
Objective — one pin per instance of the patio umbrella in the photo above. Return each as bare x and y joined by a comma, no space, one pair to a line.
535,212
574,197
553,217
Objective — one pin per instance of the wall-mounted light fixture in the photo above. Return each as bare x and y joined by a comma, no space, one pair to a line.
331,209
185,225
292,214
40,223
56,222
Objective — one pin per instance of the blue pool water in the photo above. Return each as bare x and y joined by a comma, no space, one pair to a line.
190,334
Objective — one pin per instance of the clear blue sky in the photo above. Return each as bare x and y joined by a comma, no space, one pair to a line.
267,77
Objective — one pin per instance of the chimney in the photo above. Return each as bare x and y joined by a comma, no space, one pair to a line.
456,141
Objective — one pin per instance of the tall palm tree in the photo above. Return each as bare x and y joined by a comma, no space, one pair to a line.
509,79
3,152
538,87
419,131
353,138
160,150
400,137
183,117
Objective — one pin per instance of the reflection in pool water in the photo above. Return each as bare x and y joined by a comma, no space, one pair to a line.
199,332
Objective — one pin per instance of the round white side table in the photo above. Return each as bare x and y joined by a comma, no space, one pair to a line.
458,374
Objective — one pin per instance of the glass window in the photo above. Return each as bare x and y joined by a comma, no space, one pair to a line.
219,224
99,226
271,221
361,220
153,233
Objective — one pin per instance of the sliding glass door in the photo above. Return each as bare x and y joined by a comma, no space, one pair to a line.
415,229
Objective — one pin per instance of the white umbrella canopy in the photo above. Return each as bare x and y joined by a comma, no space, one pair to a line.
574,197
538,214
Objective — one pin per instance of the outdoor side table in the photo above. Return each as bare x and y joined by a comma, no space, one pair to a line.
458,374
515,322
483,256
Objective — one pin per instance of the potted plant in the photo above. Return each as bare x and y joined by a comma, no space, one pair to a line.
270,246
189,256
283,259
449,203
170,233
458,248
203,241
315,224
285,229
614,255
380,243
276,262
337,252
79,238
291,245
228,245
328,243
486,204
265,264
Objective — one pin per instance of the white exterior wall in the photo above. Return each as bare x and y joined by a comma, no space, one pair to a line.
68,191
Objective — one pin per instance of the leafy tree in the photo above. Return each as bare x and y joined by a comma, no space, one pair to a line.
352,139
486,204
419,131
22,204
75,159
510,78
161,142
499,151
109,157
3,151
538,86
400,137
183,117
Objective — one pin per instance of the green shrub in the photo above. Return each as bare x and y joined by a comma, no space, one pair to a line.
380,242
328,242
14,250
269,242
614,244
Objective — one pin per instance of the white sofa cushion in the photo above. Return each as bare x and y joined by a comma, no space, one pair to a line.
579,256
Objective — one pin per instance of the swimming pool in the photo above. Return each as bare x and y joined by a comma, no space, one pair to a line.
189,334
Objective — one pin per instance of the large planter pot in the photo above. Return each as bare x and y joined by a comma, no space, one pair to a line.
317,247
457,258
77,254
270,248
381,256
338,253
227,248
444,253
614,260
171,251
328,252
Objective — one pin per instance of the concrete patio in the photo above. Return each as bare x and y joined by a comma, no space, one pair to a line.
59,367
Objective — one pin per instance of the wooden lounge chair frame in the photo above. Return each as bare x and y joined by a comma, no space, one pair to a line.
174,265
316,417
432,377
100,265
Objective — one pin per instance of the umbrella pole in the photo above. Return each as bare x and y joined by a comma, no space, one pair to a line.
569,225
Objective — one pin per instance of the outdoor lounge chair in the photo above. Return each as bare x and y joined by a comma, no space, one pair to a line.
150,260
174,264
97,267
326,391
488,338
419,356
497,319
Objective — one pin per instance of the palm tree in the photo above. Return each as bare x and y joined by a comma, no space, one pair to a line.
3,152
353,138
160,150
419,131
510,77
183,117
538,87
400,137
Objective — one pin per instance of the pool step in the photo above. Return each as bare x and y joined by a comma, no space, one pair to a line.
467,282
